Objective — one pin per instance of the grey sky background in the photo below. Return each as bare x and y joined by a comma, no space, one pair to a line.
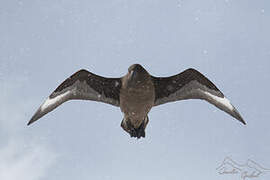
44,42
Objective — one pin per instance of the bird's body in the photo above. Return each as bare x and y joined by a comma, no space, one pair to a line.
135,103
136,93
136,100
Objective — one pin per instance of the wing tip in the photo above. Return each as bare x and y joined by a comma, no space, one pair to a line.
31,121
238,116
35,117
242,121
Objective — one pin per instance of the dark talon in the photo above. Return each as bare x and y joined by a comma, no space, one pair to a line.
134,132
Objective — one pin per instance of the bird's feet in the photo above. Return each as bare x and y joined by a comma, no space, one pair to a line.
134,132
137,133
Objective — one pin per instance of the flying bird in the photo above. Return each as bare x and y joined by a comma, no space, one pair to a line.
136,93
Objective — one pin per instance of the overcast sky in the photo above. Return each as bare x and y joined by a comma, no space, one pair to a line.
44,42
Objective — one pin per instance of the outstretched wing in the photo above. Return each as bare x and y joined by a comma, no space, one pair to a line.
82,85
191,84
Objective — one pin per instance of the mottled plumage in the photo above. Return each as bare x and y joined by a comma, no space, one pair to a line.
136,93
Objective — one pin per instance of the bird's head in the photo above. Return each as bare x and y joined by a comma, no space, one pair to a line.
136,75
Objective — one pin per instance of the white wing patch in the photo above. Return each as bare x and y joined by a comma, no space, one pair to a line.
49,102
224,101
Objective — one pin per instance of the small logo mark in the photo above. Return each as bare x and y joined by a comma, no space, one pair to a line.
250,169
